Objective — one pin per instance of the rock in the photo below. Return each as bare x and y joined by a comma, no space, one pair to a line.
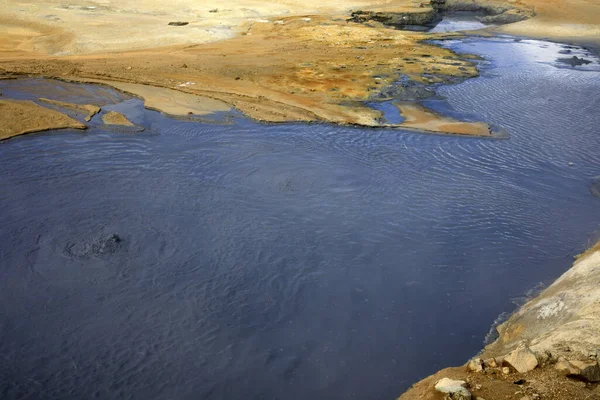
589,370
178,23
490,363
571,164
522,359
454,389
475,365
567,368
506,370
544,357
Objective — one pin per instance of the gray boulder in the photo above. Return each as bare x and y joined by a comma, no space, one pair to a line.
589,370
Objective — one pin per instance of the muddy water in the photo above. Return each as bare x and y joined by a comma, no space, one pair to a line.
198,261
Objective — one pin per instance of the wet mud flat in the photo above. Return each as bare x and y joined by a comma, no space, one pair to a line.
197,260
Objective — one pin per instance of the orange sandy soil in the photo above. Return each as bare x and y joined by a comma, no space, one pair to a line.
115,118
293,68
21,117
88,109
289,61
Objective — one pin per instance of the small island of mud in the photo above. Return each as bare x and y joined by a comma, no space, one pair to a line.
21,117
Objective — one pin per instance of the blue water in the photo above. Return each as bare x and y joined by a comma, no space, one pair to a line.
289,261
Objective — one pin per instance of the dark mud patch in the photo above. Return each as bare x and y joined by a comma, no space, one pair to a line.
96,247
574,61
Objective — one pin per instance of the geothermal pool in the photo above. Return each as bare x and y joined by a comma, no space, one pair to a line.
227,261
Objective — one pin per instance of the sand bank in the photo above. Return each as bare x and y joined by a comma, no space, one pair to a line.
21,117
419,117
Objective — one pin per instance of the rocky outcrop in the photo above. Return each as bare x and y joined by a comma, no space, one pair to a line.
427,17
548,349
428,14
564,320
494,13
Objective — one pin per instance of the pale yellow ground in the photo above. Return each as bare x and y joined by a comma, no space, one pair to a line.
570,20
78,27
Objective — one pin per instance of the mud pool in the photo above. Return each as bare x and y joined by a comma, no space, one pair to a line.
243,260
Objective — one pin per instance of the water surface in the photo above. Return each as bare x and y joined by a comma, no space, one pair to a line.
289,261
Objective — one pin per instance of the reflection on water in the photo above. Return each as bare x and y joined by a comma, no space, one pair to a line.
198,261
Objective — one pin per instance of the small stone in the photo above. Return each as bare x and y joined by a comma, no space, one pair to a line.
506,370
571,164
522,359
475,365
178,23
128,68
567,368
590,370
454,389
490,363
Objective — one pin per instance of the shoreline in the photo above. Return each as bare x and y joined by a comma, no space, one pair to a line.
319,67
550,345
